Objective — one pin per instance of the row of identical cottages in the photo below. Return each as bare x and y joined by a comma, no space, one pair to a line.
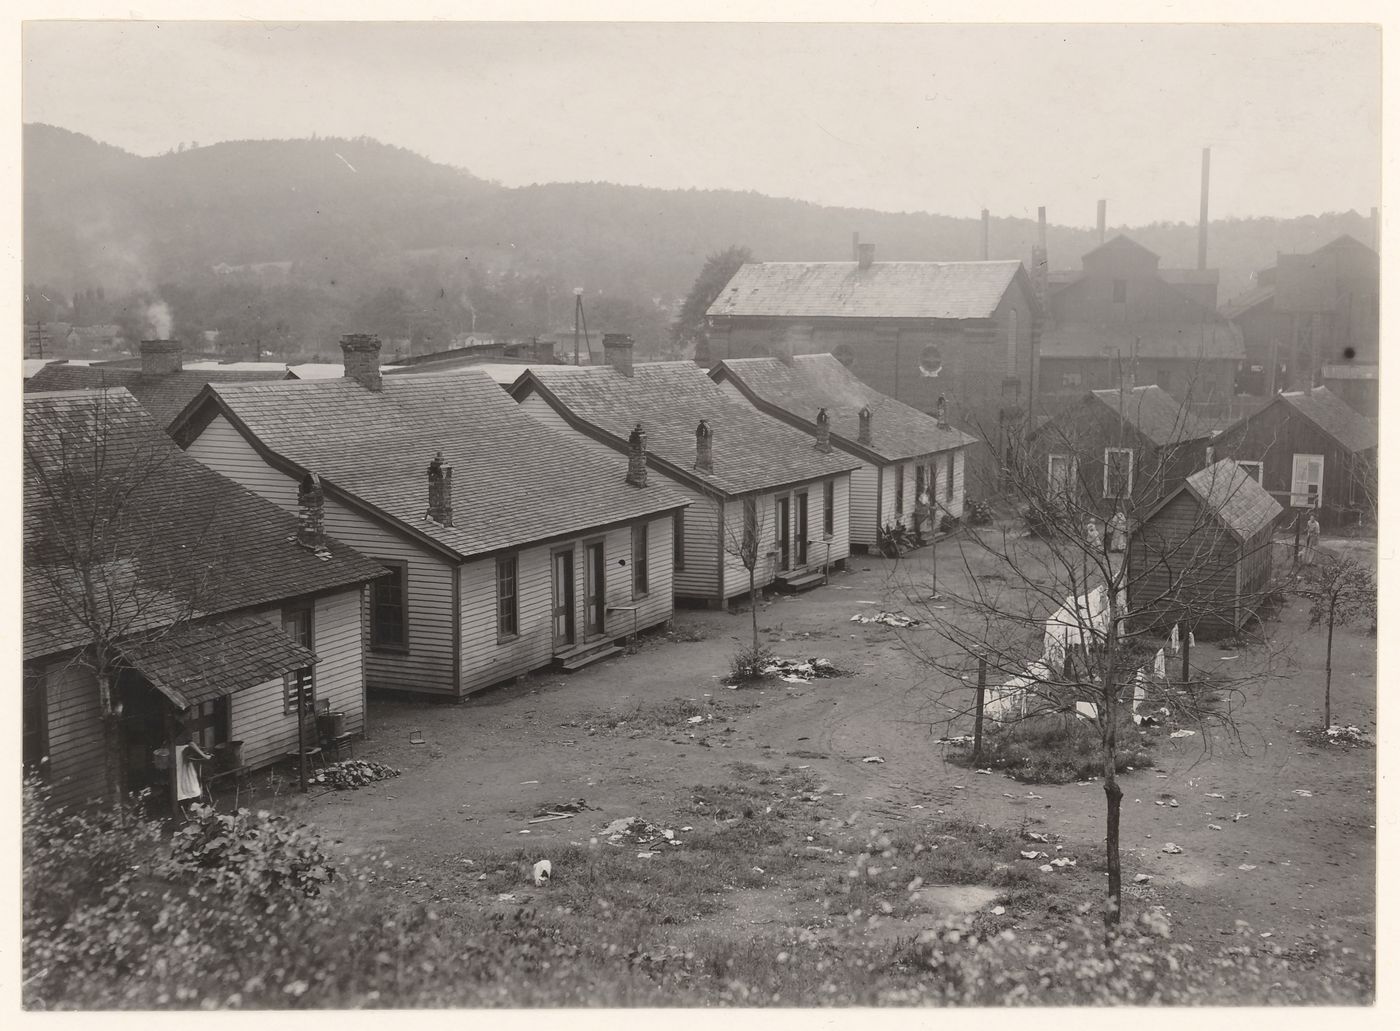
437,534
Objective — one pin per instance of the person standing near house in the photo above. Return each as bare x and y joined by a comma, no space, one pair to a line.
1312,533
1118,532
188,756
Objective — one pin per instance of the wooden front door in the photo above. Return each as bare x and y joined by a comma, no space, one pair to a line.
563,598
802,529
782,532
594,590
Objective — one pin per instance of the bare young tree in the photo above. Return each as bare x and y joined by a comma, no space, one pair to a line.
745,543
1339,591
1069,600
109,556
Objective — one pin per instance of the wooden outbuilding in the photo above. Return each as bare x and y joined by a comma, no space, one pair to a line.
1310,450
1202,558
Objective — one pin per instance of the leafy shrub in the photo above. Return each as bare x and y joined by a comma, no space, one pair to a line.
1041,519
949,523
748,664
254,855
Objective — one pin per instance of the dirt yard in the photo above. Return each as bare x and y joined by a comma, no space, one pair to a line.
1273,831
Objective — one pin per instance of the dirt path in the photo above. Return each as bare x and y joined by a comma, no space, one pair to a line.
488,765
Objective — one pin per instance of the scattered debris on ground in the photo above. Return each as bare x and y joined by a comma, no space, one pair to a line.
543,871
1172,849
801,670
895,619
635,832
349,774
561,810
1348,736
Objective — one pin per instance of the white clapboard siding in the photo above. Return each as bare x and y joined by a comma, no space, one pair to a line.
888,507
487,659
700,577
864,507
75,734
258,716
841,522
426,666
957,460
736,577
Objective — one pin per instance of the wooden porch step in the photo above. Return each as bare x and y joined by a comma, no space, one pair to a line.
800,582
573,661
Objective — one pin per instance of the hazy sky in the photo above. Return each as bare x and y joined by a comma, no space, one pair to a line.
936,118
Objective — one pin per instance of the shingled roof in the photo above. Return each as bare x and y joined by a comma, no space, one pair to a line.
1157,415
1234,497
515,480
884,289
172,538
1334,417
164,396
751,451
1247,301
1211,338
815,381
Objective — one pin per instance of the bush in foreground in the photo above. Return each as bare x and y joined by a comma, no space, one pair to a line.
1054,748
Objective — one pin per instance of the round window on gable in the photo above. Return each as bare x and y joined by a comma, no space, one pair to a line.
930,361
845,354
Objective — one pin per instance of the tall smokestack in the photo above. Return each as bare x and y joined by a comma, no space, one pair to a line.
1040,226
865,255
855,246
1205,209
986,234
1040,260
1103,220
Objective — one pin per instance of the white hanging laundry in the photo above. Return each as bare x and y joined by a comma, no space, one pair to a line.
1191,638
1088,710
1159,664
1176,639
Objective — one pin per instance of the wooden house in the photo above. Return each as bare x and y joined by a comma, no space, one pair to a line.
1202,557
510,547
912,465
1117,449
747,476
209,605
1309,449
1122,320
160,382
967,331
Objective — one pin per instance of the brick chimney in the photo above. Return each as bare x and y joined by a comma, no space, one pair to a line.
311,513
637,457
940,411
361,352
617,352
865,255
864,436
823,431
544,352
161,357
704,456
439,491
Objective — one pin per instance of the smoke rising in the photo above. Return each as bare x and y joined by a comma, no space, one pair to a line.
158,321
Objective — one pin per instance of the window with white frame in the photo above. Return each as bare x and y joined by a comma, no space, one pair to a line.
1117,472
1060,475
1307,481
1254,470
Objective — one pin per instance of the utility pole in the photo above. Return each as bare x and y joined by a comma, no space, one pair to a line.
580,320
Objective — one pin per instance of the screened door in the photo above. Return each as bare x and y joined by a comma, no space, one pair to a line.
563,599
783,532
802,529
595,589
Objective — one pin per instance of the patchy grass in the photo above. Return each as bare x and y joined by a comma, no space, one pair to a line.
1336,738
1054,749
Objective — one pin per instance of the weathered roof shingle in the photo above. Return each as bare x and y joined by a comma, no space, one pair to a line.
815,381
886,289
1155,413
515,481
163,536
751,451
1235,497
1335,417
163,396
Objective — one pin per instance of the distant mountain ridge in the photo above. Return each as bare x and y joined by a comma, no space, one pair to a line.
96,215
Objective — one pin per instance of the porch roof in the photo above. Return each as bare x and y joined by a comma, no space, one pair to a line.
200,662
